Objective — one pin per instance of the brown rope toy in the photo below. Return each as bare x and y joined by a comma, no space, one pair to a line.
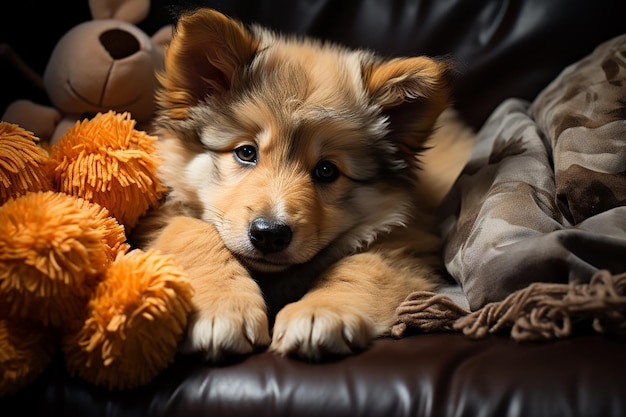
541,311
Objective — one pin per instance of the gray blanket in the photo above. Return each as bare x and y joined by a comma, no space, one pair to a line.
537,218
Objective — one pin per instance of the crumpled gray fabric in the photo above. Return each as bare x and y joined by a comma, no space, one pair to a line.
542,198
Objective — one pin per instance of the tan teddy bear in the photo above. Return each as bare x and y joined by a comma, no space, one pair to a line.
107,63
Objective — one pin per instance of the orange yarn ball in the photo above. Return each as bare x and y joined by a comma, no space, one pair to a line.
107,161
52,249
24,166
136,318
26,349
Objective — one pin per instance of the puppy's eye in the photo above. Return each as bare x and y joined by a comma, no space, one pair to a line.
246,154
325,171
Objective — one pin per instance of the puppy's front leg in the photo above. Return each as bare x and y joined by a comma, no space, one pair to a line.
229,314
352,302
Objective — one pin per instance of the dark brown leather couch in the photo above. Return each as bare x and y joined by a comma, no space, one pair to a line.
504,48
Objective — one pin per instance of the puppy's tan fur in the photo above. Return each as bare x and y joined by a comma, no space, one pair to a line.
295,186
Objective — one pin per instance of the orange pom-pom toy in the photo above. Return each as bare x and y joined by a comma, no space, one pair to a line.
107,161
53,248
24,166
67,273
133,321
26,350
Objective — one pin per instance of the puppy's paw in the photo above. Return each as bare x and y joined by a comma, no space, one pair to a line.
314,332
227,328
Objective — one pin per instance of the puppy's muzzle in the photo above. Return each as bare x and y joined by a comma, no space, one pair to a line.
268,235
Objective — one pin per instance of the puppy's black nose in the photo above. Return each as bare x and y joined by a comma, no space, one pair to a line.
269,236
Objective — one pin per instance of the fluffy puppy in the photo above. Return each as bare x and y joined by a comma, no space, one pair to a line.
295,204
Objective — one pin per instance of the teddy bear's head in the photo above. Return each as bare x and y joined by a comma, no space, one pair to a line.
104,64
108,63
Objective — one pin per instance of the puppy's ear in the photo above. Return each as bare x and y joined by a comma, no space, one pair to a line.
203,58
412,93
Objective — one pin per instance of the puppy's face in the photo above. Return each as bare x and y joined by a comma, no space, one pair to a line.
287,145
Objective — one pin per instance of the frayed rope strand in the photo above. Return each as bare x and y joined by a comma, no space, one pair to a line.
541,311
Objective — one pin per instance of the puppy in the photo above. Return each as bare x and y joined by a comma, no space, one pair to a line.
295,202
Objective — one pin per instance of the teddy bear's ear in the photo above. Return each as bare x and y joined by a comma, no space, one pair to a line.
131,11
163,37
